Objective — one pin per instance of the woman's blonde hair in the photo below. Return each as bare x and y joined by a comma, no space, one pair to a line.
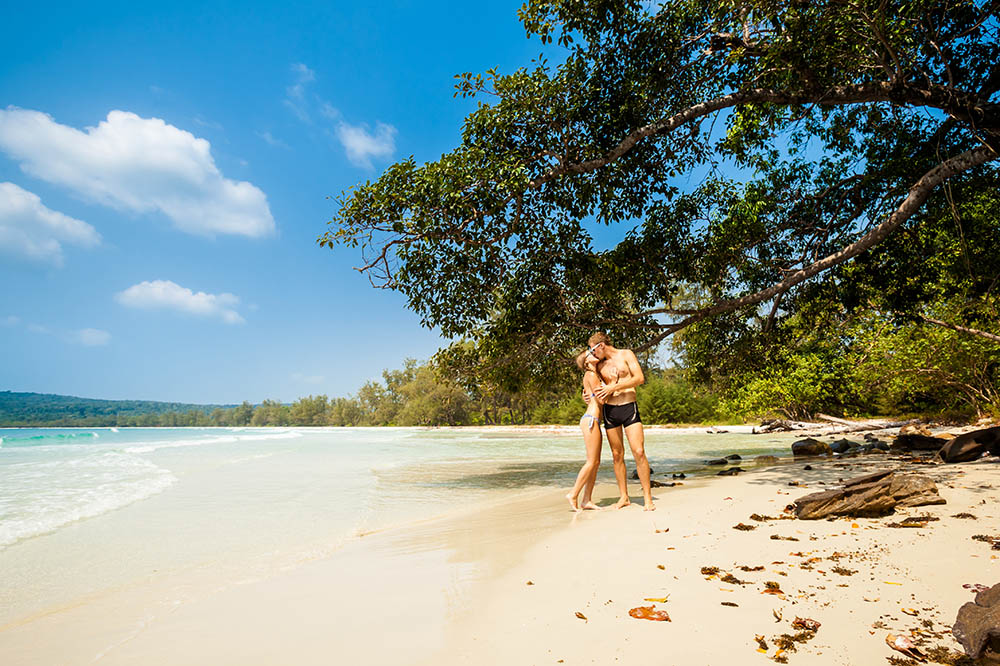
581,359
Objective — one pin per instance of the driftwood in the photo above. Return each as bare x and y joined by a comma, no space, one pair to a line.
779,425
871,495
853,426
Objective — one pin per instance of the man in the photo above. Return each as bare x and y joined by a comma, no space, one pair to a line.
621,373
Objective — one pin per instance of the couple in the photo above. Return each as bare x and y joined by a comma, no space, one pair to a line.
609,381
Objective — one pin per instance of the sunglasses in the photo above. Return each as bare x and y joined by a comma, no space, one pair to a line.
590,350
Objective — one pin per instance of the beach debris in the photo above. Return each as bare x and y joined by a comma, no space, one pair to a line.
778,537
770,587
529,583
730,603
776,612
649,613
890,582
810,447
977,626
964,515
744,567
581,616
805,623
663,530
976,587
732,580
971,445
657,600
710,571
744,527
759,518
661,567
910,611
904,645
871,495
843,571
762,644
794,483
994,541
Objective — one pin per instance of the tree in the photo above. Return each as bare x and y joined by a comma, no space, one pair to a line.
742,149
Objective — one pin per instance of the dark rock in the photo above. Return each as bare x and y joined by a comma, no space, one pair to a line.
635,473
871,495
841,445
917,442
717,461
808,468
971,445
682,475
653,483
766,460
732,471
734,456
810,447
977,626
880,445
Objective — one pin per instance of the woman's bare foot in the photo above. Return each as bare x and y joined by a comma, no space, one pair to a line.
572,502
622,502
648,504
590,506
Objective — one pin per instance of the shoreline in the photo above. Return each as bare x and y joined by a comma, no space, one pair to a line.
454,589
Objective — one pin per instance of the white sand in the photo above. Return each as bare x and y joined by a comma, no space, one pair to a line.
454,590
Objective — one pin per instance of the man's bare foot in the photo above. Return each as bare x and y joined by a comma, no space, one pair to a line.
648,505
590,506
572,502
622,503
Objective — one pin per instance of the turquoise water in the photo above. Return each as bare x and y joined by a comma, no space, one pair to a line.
167,514
345,481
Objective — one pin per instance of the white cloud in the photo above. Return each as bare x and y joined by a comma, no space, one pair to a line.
272,141
136,164
361,145
38,328
91,337
296,93
10,321
168,295
30,229
359,142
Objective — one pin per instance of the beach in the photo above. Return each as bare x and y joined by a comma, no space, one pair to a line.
503,577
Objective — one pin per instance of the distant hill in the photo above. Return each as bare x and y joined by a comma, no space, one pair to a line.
45,409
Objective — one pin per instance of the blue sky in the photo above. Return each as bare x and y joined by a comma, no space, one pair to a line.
163,178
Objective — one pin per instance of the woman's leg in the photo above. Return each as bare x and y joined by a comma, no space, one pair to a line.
592,440
594,459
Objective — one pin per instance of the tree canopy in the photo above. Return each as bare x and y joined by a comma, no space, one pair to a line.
753,153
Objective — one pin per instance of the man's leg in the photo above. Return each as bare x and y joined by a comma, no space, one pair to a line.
637,442
617,444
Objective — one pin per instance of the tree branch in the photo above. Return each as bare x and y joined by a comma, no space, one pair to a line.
910,205
961,329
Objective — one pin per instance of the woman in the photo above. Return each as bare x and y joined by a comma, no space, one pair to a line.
590,424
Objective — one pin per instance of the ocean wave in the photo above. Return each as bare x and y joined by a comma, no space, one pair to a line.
149,447
40,498
34,440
